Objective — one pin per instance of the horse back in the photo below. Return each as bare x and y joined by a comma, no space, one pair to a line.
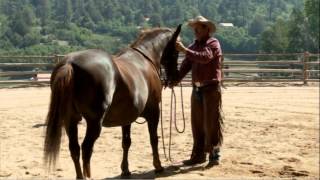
116,90
95,77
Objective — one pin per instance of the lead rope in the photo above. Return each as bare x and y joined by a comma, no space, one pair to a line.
162,134
182,110
173,110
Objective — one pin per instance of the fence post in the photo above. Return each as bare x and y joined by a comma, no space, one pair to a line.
56,59
305,67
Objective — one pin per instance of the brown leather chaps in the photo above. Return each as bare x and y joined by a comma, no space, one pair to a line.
206,119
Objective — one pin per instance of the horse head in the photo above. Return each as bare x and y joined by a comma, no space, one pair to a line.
158,45
169,58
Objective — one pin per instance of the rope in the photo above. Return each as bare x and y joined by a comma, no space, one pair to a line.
173,97
182,110
173,117
162,134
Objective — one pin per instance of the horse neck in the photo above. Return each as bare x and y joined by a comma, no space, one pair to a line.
153,49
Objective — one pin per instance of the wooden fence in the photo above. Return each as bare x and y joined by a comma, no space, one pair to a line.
295,67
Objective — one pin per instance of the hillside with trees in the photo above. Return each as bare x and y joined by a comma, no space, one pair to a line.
59,26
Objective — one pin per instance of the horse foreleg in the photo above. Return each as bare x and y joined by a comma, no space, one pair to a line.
126,143
72,132
153,120
92,133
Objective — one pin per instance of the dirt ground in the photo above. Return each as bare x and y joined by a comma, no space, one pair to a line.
270,132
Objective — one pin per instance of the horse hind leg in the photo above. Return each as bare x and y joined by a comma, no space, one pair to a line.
72,132
153,120
92,134
126,143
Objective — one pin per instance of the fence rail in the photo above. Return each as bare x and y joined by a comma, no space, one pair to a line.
304,67
3,65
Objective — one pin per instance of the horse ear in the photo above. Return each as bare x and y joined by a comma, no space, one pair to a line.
176,33
142,30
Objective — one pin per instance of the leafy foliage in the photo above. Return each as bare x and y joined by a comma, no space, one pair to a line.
60,26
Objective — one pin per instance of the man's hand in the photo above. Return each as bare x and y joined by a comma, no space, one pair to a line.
180,47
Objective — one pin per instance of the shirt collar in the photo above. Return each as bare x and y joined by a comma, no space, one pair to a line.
203,41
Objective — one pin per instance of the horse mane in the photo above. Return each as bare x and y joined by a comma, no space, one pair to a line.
169,56
147,34
143,35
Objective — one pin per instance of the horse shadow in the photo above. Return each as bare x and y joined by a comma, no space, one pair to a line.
168,171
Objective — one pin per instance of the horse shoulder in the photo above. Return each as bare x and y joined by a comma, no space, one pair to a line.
130,96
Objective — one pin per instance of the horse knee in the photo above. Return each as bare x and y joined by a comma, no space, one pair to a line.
74,149
87,149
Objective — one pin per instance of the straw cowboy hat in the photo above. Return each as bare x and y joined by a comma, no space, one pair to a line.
202,20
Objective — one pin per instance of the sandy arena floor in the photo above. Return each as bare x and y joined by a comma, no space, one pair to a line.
270,132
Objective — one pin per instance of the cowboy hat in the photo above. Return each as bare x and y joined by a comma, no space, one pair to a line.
202,20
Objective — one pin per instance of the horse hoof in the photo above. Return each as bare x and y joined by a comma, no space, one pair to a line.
159,170
79,178
125,173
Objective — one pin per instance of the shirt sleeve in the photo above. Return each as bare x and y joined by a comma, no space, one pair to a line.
185,67
206,54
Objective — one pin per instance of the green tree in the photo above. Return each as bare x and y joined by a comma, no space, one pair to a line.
94,14
209,9
275,39
31,39
79,11
109,10
296,32
155,20
21,22
275,7
71,20
257,26
232,39
43,11
11,7
63,12
3,25
312,14
139,19
147,8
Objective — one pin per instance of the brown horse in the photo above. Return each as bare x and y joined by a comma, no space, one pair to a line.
108,92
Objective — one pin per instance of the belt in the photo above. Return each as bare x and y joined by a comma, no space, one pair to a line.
206,83
197,84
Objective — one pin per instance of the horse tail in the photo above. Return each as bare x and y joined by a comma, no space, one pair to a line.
59,110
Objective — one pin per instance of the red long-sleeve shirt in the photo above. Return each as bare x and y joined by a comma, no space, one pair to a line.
204,58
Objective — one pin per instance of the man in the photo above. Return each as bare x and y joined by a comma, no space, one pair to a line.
204,58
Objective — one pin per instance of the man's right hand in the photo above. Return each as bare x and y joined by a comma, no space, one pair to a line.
180,47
